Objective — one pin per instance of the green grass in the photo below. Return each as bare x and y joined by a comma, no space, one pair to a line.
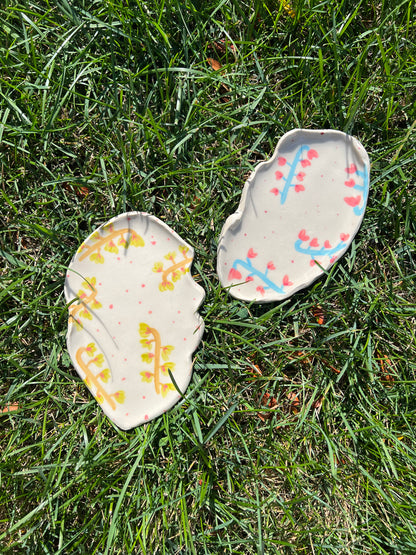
116,99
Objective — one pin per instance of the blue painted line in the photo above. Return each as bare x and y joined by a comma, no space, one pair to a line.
247,265
291,173
322,252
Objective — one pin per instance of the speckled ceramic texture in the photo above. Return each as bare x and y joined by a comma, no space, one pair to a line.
298,213
133,320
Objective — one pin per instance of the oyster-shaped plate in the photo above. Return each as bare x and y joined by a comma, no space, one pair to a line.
298,213
133,320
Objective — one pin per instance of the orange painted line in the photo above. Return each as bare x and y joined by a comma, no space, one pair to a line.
174,267
156,367
98,244
99,388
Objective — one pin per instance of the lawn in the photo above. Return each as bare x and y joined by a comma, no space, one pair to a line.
297,432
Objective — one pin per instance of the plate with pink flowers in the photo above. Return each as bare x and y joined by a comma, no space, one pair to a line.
298,214
133,317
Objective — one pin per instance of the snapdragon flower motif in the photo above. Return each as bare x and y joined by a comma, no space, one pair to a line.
95,380
159,357
253,272
292,178
172,273
357,202
87,302
105,238
311,247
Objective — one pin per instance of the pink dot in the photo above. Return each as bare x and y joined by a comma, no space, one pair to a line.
67,275
119,323
112,356
98,329
265,211
118,258
184,338
131,261
100,283
245,234
179,311
123,379
127,290
140,302
150,312
293,261
125,360
173,321
153,242
144,396
143,285
146,417
126,414
111,306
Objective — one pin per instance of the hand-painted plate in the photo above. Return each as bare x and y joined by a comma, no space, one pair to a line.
298,213
133,320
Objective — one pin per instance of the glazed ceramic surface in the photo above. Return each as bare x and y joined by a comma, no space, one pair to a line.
298,213
133,316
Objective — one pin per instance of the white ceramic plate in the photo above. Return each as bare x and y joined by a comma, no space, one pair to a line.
133,316
298,213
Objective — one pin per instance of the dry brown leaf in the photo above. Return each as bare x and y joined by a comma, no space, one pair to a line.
268,402
295,403
215,64
10,407
319,314
318,403
222,45
385,364
81,192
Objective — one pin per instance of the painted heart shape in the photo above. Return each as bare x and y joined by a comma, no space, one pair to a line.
251,253
314,242
352,168
278,174
299,188
305,163
327,244
353,201
234,274
286,281
349,183
302,235
275,191
312,154
344,236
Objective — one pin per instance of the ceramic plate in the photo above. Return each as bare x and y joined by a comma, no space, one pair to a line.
133,320
298,213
